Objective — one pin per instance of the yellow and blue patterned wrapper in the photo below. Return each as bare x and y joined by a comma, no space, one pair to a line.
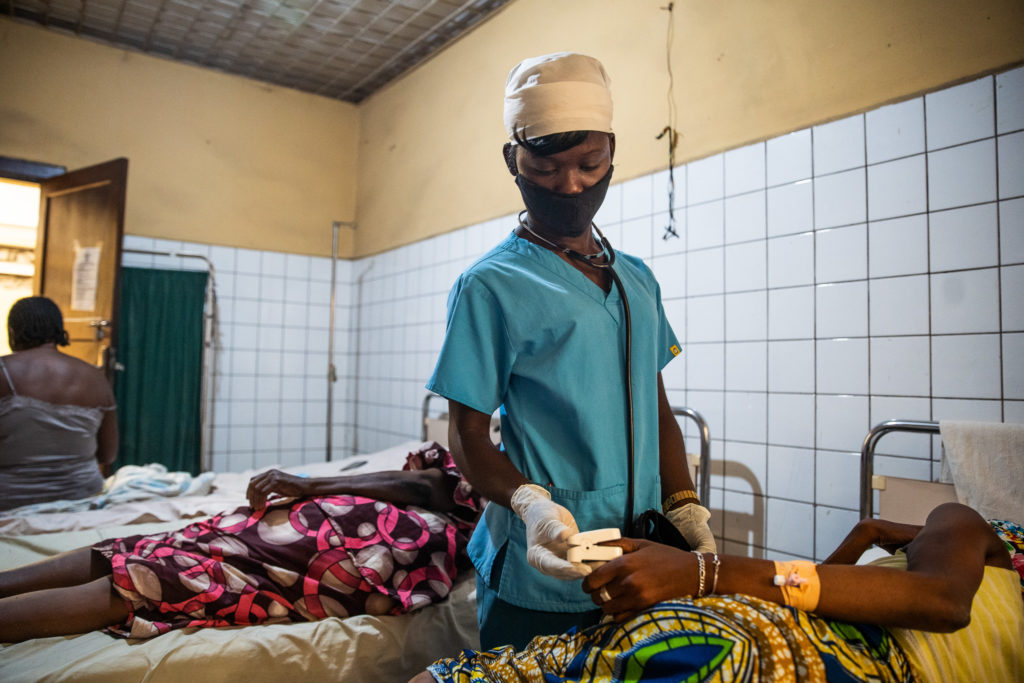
714,639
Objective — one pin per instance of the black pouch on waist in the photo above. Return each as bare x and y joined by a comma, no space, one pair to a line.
654,526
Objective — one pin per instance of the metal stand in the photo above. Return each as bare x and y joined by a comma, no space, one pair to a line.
332,372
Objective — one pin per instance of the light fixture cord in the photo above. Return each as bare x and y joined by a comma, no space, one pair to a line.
670,129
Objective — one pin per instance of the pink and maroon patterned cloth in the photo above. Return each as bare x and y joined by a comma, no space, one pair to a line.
301,560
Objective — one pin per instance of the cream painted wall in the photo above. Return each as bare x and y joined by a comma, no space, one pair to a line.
213,158
744,70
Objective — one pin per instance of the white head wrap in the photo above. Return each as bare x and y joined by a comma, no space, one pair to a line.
557,93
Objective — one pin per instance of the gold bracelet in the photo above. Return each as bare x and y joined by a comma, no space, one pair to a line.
700,574
689,494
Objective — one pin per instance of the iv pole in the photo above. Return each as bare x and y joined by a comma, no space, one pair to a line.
332,372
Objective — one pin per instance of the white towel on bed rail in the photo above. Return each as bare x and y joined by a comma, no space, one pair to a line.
986,461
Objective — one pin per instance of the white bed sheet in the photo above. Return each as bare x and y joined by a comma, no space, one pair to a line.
362,648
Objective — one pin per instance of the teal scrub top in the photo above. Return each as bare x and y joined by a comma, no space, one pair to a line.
532,335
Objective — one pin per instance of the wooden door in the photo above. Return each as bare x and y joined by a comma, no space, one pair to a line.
78,256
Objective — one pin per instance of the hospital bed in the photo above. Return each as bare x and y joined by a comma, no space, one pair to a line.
899,499
981,461
362,648
226,490
435,428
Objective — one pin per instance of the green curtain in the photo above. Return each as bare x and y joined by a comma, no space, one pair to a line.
161,348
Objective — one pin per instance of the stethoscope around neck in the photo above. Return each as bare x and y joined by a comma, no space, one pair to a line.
606,265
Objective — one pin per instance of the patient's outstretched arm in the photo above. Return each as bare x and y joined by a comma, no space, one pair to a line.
428,488
945,566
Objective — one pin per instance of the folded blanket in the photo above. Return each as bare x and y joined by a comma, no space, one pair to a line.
130,483
986,463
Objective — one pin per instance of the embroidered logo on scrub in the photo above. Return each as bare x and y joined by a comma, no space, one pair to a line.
675,349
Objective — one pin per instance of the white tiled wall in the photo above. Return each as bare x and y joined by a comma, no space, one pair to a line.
402,308
822,281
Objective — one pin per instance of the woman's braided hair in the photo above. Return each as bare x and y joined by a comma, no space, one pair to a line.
34,321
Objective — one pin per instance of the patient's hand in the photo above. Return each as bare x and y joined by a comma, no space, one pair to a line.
646,574
275,481
890,536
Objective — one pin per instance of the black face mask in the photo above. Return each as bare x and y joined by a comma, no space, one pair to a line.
564,215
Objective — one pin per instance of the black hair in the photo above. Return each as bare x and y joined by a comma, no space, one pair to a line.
546,145
34,321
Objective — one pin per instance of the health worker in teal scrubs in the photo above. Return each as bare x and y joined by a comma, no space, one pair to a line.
540,332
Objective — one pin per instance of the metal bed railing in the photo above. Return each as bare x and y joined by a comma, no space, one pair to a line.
425,414
867,455
703,469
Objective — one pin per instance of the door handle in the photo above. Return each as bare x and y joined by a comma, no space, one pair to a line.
100,327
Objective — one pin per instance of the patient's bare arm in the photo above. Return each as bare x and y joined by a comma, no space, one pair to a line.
890,536
945,566
483,465
428,488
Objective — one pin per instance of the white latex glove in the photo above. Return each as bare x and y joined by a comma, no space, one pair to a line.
548,527
692,522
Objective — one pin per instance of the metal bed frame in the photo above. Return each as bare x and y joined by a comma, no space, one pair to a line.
703,469
867,455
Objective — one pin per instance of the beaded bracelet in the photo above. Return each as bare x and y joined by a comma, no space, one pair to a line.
700,574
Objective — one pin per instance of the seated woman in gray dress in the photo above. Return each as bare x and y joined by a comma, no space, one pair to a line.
58,424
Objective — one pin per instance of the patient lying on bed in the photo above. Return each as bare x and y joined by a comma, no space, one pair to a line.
306,549
946,606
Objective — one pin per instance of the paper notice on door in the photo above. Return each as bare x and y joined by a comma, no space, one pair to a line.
84,278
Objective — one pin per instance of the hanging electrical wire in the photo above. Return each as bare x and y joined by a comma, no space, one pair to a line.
670,131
